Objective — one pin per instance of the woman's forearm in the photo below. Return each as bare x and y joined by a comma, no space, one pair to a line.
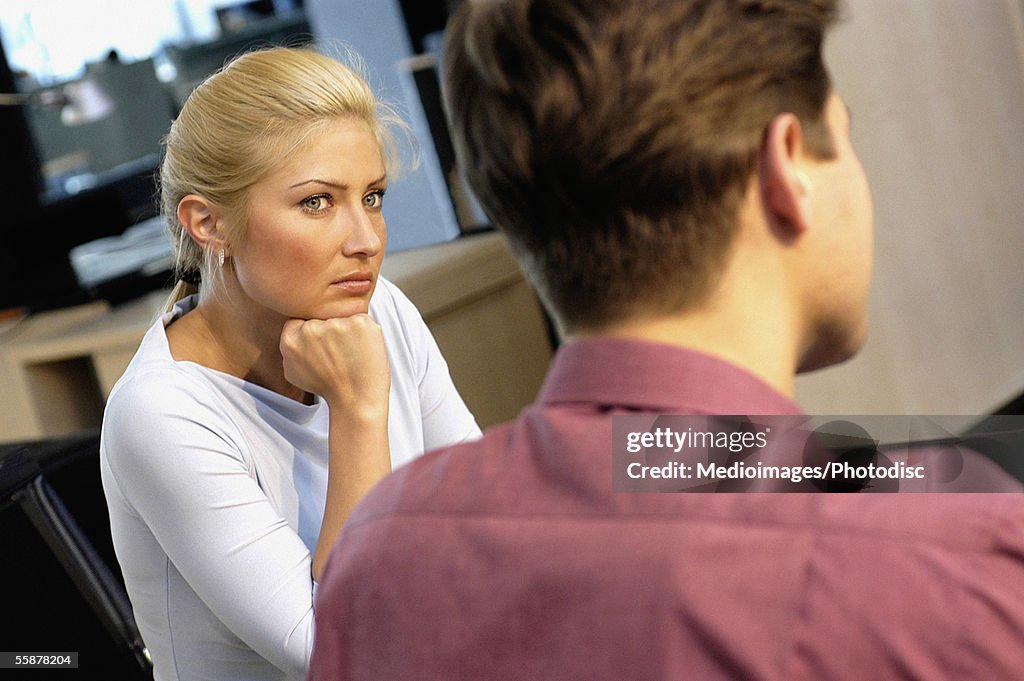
359,458
344,361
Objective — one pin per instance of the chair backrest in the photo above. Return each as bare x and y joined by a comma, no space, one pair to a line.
62,588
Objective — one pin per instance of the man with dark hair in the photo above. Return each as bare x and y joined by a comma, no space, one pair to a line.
677,180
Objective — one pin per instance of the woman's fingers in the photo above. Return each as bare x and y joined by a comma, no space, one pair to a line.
343,359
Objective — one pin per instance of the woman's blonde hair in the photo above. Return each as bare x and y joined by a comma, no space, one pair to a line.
238,125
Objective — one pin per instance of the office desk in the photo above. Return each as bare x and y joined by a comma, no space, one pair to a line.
57,368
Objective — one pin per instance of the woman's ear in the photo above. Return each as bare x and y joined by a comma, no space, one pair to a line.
784,188
200,219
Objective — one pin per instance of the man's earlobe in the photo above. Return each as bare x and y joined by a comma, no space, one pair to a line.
784,189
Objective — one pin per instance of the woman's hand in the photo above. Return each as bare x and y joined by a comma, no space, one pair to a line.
343,360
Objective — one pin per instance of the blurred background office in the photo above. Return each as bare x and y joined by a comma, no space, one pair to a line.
88,87
936,87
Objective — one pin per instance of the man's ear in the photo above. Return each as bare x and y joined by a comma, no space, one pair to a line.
200,219
784,188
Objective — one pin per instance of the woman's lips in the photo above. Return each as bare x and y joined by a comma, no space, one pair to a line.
360,282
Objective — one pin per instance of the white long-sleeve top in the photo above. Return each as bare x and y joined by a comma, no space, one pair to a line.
216,490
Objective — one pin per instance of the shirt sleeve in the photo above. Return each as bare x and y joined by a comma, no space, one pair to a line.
446,418
172,452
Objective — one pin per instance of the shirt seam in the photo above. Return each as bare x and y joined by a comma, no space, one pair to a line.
884,534
803,616
167,610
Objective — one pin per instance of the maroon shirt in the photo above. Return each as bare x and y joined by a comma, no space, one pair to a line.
511,558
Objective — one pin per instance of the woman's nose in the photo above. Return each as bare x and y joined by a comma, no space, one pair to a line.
363,237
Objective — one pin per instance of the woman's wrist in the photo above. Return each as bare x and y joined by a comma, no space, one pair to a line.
360,413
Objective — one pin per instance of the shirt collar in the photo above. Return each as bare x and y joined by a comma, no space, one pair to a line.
634,374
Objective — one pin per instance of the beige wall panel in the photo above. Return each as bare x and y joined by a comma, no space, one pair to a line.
498,352
937,93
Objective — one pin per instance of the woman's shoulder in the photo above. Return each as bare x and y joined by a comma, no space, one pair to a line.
154,383
390,301
396,314
399,319
159,405
155,390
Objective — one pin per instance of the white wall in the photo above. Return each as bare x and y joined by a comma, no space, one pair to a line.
936,88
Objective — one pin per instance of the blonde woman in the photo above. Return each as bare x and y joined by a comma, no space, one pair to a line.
285,380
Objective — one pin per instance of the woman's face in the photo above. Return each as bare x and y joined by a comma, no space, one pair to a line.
315,236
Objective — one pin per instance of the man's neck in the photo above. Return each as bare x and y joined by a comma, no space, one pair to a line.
755,330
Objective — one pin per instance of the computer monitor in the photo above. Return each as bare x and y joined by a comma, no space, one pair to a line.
105,126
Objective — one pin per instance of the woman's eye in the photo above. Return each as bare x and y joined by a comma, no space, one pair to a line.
374,199
315,203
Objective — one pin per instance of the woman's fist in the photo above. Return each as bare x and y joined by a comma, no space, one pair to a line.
342,359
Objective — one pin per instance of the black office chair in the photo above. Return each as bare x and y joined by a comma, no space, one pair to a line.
55,605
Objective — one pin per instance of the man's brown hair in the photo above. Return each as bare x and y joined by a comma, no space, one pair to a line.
613,140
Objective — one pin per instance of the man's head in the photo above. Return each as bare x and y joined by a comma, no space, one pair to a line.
614,142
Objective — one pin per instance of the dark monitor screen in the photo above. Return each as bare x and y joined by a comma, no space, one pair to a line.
98,129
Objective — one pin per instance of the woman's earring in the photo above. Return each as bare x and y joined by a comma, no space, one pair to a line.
220,258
